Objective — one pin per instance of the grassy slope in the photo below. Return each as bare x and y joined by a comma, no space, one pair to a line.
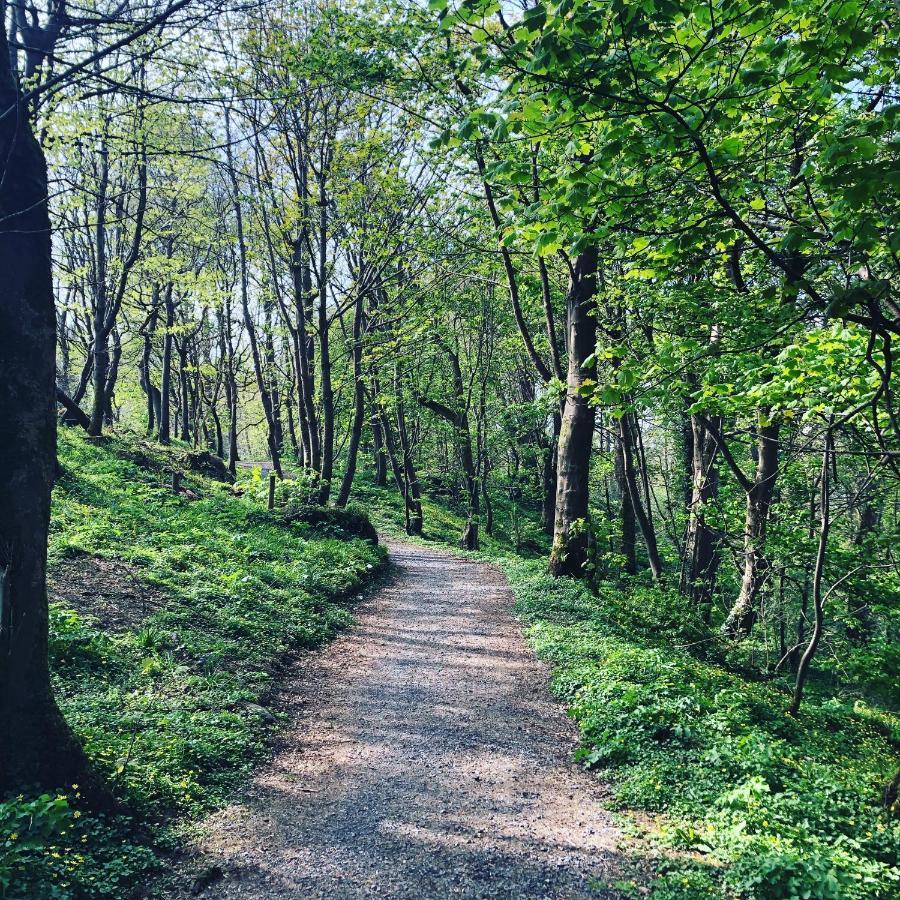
167,710
746,801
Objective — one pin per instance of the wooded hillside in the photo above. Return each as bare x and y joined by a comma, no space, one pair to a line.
611,287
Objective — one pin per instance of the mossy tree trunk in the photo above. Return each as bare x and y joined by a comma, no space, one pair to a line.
570,536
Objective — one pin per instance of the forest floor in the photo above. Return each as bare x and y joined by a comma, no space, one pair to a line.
424,757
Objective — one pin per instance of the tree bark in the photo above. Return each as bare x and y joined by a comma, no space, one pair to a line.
359,410
570,535
264,395
458,418
327,392
411,490
74,413
165,384
818,574
380,457
626,514
701,549
548,478
742,616
626,437
36,746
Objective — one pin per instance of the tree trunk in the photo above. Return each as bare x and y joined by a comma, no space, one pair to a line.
152,392
742,616
75,415
411,491
325,352
570,534
112,376
165,384
185,403
264,395
818,573
626,436
359,410
862,625
379,451
303,360
100,334
548,478
626,514
701,549
36,746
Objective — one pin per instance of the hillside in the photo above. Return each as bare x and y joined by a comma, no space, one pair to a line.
172,618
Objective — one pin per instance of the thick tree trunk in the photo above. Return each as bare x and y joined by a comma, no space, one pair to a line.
742,616
570,533
36,746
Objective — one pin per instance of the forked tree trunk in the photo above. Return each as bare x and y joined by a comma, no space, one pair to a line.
458,418
36,746
570,535
742,616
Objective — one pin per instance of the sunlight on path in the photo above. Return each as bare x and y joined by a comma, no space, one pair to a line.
425,758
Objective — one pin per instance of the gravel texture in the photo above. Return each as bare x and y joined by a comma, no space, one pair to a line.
424,758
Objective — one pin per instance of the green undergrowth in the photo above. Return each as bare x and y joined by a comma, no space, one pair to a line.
515,527
752,803
172,707
742,800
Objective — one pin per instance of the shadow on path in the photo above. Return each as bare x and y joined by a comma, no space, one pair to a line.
424,758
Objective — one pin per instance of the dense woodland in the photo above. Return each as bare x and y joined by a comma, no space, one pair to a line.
614,284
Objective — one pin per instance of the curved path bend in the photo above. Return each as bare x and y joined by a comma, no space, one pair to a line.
424,758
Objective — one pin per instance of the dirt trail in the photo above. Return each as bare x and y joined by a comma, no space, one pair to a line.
425,759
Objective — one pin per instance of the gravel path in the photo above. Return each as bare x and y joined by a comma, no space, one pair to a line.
425,759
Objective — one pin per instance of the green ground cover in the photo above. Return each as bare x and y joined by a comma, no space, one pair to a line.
172,708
